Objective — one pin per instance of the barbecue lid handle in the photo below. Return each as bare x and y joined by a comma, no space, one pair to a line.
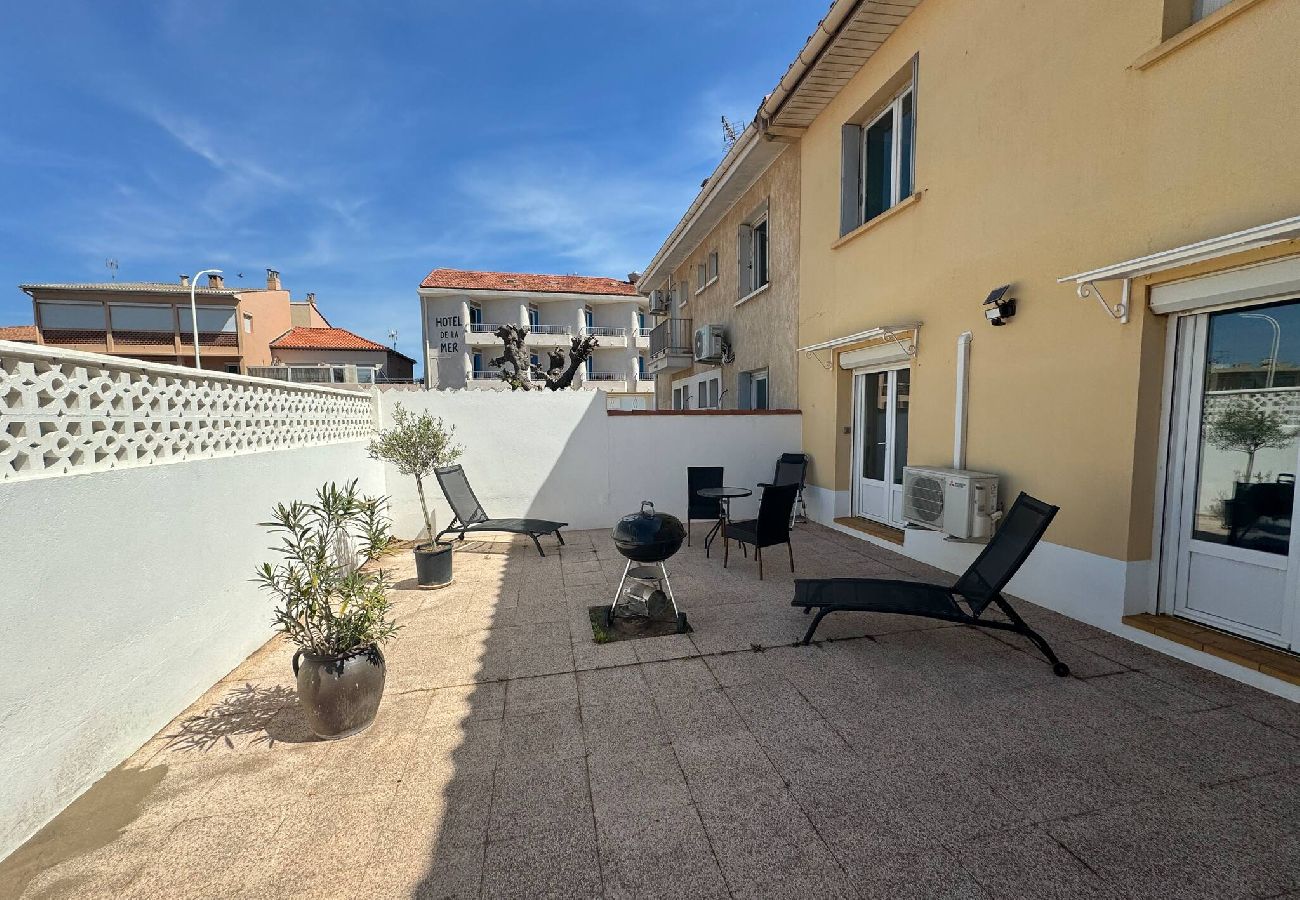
644,505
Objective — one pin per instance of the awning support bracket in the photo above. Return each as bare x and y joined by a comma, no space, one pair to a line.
1119,311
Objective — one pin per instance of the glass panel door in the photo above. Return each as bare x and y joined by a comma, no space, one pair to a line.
1239,431
881,401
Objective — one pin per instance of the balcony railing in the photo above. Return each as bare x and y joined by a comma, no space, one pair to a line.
606,376
484,375
483,327
671,337
551,329
644,332
603,331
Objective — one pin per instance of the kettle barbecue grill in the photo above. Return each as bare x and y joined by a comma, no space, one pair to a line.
647,537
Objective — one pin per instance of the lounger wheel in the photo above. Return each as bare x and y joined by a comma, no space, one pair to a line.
1061,669
681,623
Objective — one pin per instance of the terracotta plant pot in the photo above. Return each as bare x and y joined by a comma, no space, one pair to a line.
433,565
340,694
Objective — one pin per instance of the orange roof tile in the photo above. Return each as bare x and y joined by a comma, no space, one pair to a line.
323,339
18,333
520,281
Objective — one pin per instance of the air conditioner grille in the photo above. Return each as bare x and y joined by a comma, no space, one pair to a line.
924,498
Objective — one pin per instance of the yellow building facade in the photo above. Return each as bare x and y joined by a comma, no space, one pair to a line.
951,147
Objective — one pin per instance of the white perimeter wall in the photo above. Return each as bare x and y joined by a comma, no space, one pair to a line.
126,594
559,455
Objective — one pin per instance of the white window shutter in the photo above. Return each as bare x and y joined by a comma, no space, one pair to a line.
850,177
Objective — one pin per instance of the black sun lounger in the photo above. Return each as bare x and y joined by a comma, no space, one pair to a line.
963,602
469,514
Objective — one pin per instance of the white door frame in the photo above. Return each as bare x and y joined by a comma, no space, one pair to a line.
892,502
1185,349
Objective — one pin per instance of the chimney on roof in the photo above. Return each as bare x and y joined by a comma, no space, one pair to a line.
185,280
633,277
216,282
272,280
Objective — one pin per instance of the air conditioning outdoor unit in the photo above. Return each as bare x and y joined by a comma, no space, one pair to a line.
658,301
957,502
708,343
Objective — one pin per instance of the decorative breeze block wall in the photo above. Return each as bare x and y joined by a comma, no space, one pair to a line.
63,412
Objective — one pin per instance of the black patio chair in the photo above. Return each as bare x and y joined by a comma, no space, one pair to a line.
771,527
469,514
980,587
792,468
698,507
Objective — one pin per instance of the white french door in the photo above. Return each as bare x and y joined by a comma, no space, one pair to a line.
1234,452
880,409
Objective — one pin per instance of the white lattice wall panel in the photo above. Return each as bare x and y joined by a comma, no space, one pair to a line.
64,412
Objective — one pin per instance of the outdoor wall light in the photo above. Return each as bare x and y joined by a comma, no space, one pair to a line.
999,307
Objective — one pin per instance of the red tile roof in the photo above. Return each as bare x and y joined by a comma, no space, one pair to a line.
323,339
519,281
18,333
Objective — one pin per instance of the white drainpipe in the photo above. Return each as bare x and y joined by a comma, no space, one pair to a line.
963,400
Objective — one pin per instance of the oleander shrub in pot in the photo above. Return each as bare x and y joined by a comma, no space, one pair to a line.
416,445
332,602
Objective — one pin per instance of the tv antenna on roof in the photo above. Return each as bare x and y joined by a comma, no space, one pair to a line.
729,133
111,265
392,337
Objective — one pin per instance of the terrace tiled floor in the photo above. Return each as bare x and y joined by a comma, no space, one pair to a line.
513,757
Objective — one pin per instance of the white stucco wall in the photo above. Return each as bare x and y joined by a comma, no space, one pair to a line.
125,595
561,456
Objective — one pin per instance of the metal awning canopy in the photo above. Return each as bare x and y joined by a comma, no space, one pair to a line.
1188,254
880,331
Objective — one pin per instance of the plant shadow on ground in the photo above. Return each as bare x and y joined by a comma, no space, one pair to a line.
269,715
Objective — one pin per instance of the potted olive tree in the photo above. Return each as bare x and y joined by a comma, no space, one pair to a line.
332,604
417,445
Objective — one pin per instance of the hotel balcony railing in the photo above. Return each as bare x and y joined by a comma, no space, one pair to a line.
550,329
644,332
671,337
484,375
482,327
606,376
603,331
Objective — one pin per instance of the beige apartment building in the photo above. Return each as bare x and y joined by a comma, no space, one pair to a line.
258,331
724,286
1125,173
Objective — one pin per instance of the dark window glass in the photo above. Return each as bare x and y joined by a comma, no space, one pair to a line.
1250,428
907,130
902,403
875,411
878,177
760,393
760,254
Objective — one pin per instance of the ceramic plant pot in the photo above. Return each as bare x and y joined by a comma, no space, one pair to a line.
340,694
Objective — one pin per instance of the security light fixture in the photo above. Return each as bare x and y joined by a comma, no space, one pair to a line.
999,307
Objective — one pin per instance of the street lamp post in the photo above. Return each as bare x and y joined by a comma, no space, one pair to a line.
1277,341
194,313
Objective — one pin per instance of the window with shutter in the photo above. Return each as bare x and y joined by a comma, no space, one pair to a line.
744,259
877,168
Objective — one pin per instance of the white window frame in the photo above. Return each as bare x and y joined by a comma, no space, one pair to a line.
754,379
534,315
713,268
894,106
747,256
696,386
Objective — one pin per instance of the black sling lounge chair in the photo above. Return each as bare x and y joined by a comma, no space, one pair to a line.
469,514
963,602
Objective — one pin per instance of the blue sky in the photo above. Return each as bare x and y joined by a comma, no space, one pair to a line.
355,146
